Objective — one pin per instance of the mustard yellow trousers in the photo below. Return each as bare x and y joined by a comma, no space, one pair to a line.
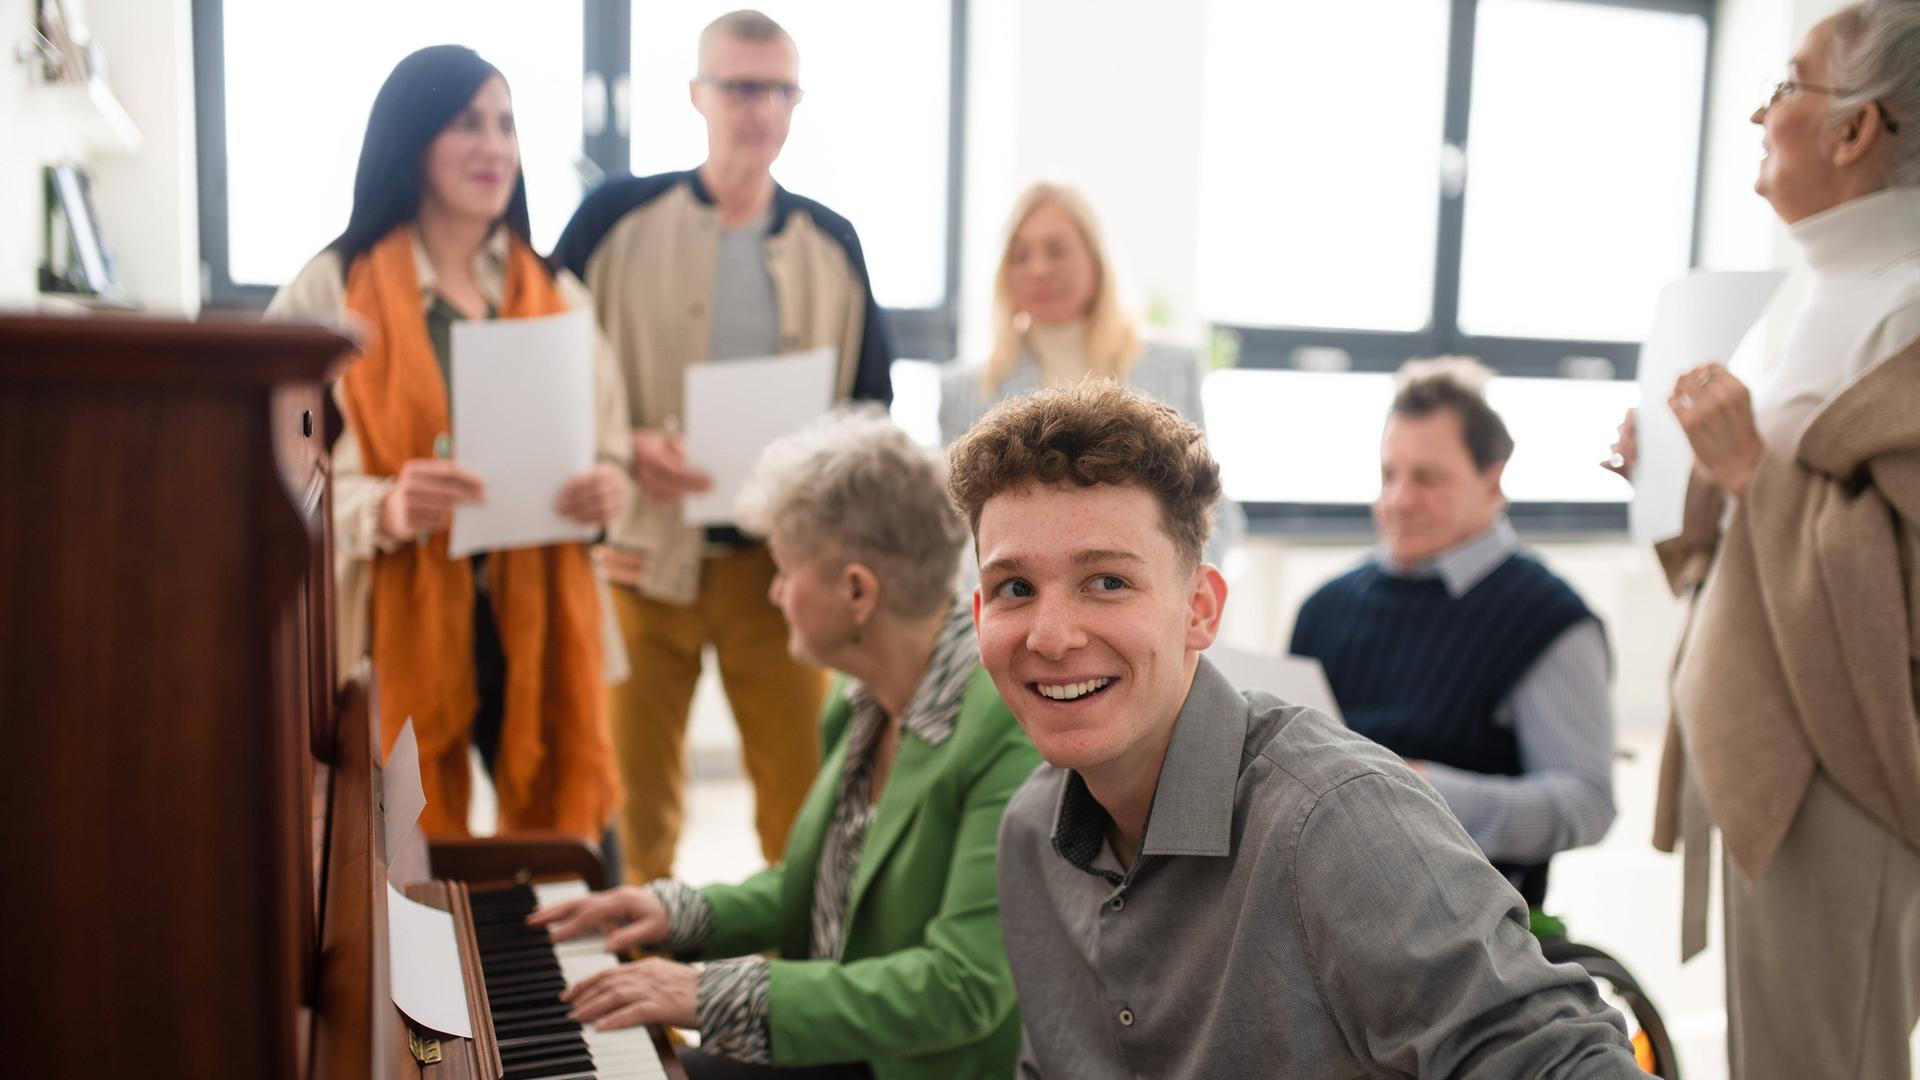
775,699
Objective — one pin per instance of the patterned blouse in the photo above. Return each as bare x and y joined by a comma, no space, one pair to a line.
733,992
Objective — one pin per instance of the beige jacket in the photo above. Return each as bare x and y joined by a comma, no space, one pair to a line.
646,248
1804,641
319,294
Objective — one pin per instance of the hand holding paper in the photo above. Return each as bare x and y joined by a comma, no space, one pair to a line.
1716,412
1700,319
660,466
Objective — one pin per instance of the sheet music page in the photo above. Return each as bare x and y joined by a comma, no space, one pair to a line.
424,966
523,420
1700,318
734,408
403,798
1296,680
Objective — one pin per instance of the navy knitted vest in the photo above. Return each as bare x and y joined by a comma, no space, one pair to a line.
1421,672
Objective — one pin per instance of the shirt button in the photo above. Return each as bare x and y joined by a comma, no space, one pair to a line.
1116,903
1126,1017
696,309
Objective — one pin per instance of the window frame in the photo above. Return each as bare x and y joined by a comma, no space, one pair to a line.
1299,348
928,333
1290,347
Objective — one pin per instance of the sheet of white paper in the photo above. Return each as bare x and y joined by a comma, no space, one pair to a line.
522,420
1700,318
401,794
424,962
1296,680
734,408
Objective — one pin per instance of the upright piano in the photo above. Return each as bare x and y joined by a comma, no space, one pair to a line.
191,819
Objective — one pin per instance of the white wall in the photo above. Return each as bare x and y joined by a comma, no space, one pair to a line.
149,202
1101,95
20,199
146,200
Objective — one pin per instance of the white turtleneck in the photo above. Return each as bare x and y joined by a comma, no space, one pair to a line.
1059,350
1863,258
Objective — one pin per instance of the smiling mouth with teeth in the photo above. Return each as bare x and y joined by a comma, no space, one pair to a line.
1073,691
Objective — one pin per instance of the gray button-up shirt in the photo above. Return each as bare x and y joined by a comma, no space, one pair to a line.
1302,905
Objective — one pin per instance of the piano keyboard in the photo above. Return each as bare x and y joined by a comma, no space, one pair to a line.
525,972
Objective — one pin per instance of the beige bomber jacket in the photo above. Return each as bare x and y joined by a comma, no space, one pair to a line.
646,249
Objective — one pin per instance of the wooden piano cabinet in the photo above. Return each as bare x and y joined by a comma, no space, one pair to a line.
162,596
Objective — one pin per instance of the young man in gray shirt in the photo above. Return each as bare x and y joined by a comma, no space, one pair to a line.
1200,882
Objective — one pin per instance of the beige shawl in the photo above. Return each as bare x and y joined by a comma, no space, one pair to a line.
1805,640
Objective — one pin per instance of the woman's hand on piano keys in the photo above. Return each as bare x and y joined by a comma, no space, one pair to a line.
650,991
630,917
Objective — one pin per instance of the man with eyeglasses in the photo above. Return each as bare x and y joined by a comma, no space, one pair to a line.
715,264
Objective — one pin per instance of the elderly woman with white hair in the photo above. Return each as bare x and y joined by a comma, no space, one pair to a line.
1796,728
883,917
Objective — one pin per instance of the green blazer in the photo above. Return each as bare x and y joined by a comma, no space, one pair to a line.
921,987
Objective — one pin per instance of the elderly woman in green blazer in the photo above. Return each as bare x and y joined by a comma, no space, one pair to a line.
873,948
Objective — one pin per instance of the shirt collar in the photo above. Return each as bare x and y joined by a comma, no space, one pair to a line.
1463,565
1199,780
489,269
776,213
1863,236
936,700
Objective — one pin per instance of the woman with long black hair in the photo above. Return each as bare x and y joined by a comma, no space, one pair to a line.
508,643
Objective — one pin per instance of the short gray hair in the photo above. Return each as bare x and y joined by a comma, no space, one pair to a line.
1876,54
745,24
853,486
1456,384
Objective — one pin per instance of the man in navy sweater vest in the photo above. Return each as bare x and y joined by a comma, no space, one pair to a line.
1469,659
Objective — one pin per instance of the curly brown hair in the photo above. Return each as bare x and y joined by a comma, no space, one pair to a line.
1093,432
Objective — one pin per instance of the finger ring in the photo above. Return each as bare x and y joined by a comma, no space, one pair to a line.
1704,378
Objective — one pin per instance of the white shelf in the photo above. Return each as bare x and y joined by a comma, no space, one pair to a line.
76,121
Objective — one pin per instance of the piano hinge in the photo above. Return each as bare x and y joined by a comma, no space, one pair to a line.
426,1050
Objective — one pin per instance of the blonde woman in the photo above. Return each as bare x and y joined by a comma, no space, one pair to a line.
1058,318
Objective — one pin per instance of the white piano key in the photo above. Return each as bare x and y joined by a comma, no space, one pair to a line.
622,1054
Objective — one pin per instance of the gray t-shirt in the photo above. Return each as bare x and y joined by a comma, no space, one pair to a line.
746,317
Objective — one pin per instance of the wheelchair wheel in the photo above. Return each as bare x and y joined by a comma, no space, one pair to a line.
1651,1045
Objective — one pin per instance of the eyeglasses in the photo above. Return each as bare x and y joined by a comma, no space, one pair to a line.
1788,86
751,91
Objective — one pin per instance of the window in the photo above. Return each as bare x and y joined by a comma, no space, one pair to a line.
1512,180
1328,449
860,141
293,118
1580,202
600,87
1289,131
1509,179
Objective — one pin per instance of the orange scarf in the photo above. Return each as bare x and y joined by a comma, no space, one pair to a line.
555,768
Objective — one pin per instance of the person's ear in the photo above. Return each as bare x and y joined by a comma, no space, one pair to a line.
860,589
1205,604
1859,134
1492,479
